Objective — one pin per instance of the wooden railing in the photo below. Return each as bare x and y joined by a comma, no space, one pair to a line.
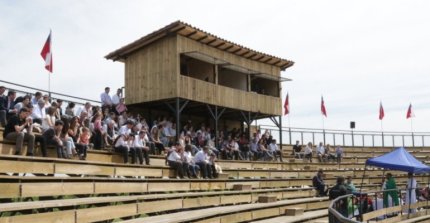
202,91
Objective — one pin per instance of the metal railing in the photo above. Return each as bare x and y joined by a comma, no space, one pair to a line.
352,208
350,137
26,90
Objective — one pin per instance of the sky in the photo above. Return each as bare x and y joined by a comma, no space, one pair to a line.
354,53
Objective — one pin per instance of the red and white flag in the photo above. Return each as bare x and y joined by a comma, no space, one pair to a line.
381,111
47,54
287,106
323,110
410,114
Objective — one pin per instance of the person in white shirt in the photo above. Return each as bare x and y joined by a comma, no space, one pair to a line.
174,159
193,169
36,98
106,99
126,128
321,153
273,147
202,160
141,148
307,153
116,97
122,146
411,195
87,108
39,112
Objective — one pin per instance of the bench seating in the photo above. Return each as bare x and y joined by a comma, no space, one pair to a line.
237,213
307,216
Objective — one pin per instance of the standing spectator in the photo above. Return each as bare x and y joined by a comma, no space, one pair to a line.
59,112
390,184
411,195
53,137
350,185
36,98
297,150
106,99
307,154
39,112
116,98
201,159
15,131
339,154
319,184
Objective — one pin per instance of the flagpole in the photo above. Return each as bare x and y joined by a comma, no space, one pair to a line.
412,132
323,128
49,85
382,131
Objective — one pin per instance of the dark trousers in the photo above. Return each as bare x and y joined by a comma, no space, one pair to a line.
204,169
98,139
142,153
124,151
61,153
160,147
41,140
278,153
82,150
179,167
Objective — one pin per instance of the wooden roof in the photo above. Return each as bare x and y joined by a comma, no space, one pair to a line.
186,30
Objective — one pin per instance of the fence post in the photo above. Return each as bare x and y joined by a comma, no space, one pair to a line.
393,141
383,140
413,140
362,136
423,140
289,133
403,140
334,139
313,138
373,140
352,137
301,136
343,139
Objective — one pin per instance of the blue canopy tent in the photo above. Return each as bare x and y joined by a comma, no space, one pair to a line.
399,159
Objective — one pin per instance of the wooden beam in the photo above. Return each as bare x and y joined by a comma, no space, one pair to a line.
190,34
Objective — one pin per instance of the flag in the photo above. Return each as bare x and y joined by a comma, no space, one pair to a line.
323,110
381,112
410,114
47,54
287,106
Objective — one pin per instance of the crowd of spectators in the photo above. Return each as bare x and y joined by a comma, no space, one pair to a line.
323,153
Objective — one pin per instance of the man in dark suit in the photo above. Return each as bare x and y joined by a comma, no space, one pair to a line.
7,106
2,108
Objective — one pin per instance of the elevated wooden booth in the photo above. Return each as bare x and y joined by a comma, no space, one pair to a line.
189,72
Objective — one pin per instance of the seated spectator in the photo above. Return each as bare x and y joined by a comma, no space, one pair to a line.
322,156
140,147
202,160
46,100
53,137
319,184
7,104
273,147
244,146
263,150
330,153
254,147
307,154
74,127
17,130
174,160
339,190
87,108
83,143
193,169
155,136
231,149
70,111
24,103
49,120
3,110
297,150
111,132
39,112
99,133
214,167
339,154
36,98
68,141
122,146
59,111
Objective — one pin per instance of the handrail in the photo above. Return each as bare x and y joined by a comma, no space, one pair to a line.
349,137
337,216
42,90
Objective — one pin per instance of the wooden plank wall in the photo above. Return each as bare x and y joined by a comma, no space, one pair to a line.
189,45
202,91
151,73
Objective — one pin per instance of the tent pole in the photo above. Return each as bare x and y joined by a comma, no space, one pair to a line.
361,187
409,192
427,200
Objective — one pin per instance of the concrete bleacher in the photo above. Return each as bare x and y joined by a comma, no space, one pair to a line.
37,189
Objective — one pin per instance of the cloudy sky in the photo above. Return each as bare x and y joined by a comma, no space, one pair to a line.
355,53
